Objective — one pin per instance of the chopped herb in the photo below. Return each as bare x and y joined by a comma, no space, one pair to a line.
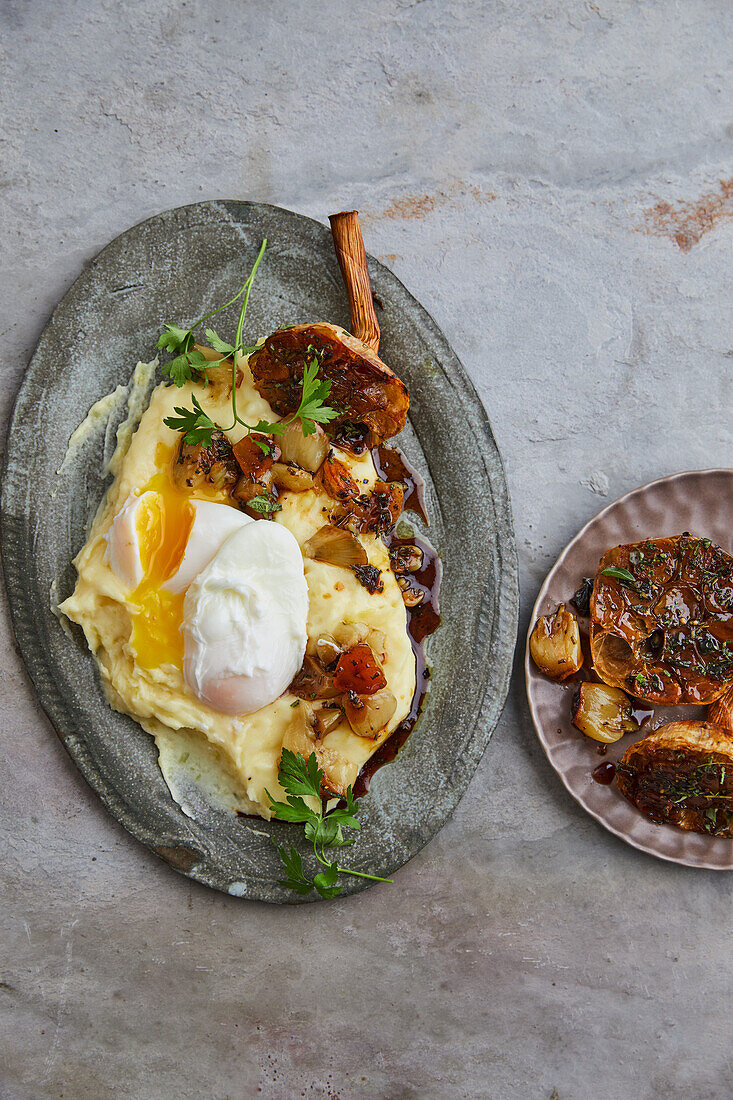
194,423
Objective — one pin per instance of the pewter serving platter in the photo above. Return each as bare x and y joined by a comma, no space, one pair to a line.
170,268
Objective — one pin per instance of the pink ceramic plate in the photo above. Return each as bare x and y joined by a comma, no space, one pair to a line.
698,501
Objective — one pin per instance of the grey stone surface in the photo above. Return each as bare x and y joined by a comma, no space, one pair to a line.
546,178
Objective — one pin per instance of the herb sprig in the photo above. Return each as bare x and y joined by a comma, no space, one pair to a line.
189,363
621,575
301,778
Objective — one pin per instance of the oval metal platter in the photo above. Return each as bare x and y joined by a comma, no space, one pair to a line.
171,267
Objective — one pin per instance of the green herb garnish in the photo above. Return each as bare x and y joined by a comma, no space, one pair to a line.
189,363
301,778
194,423
264,504
621,575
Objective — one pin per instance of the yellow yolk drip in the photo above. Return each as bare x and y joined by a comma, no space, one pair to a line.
163,526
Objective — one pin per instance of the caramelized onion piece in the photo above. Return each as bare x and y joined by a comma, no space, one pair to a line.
307,451
603,713
253,461
286,475
411,597
368,715
377,642
299,737
196,465
358,670
335,546
337,481
406,559
554,644
312,681
326,719
721,711
246,488
350,634
219,377
328,649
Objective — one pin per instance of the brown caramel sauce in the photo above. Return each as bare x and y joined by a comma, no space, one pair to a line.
422,620
391,465
605,773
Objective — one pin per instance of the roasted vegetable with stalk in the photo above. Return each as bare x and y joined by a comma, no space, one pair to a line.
603,713
554,644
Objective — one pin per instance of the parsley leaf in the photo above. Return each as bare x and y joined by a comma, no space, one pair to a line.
218,344
301,779
197,426
293,865
188,363
176,339
313,409
300,776
178,370
324,881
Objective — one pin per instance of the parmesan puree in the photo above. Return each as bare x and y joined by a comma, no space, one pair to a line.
233,760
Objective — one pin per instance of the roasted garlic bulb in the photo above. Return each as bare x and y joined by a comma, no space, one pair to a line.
555,644
603,713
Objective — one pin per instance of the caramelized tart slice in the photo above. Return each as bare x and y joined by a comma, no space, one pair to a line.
370,399
682,774
662,620
366,393
721,712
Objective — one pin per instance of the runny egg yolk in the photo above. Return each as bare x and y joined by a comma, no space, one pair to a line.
163,524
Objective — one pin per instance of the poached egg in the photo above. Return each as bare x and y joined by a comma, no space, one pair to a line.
227,608
244,620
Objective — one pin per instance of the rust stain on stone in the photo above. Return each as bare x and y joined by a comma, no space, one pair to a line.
412,206
179,857
686,222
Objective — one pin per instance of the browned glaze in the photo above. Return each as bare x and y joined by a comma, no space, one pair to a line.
391,465
641,712
605,773
351,437
662,619
422,620
682,786
387,752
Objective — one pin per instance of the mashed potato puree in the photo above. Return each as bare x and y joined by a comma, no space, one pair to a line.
234,759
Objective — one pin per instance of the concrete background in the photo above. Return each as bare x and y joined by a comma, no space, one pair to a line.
554,181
